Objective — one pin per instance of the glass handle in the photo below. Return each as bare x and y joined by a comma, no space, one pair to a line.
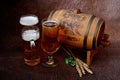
32,43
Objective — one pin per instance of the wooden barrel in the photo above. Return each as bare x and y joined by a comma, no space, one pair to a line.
78,30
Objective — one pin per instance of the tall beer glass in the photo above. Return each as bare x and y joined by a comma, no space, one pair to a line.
49,42
30,35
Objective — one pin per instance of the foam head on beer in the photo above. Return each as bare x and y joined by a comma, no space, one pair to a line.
28,20
29,35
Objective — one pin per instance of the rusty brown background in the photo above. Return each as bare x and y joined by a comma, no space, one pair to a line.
106,64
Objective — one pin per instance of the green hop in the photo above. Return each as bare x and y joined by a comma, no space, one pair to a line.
70,60
72,63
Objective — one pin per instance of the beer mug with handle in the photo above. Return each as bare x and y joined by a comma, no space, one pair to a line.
30,35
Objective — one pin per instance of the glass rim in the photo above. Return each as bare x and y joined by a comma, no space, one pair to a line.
30,28
50,20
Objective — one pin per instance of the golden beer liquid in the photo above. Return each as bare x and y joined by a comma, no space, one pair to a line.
49,42
31,56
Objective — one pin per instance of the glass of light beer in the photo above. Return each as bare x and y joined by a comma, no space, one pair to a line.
30,34
49,42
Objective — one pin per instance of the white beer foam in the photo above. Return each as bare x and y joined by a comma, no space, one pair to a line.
29,35
29,20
